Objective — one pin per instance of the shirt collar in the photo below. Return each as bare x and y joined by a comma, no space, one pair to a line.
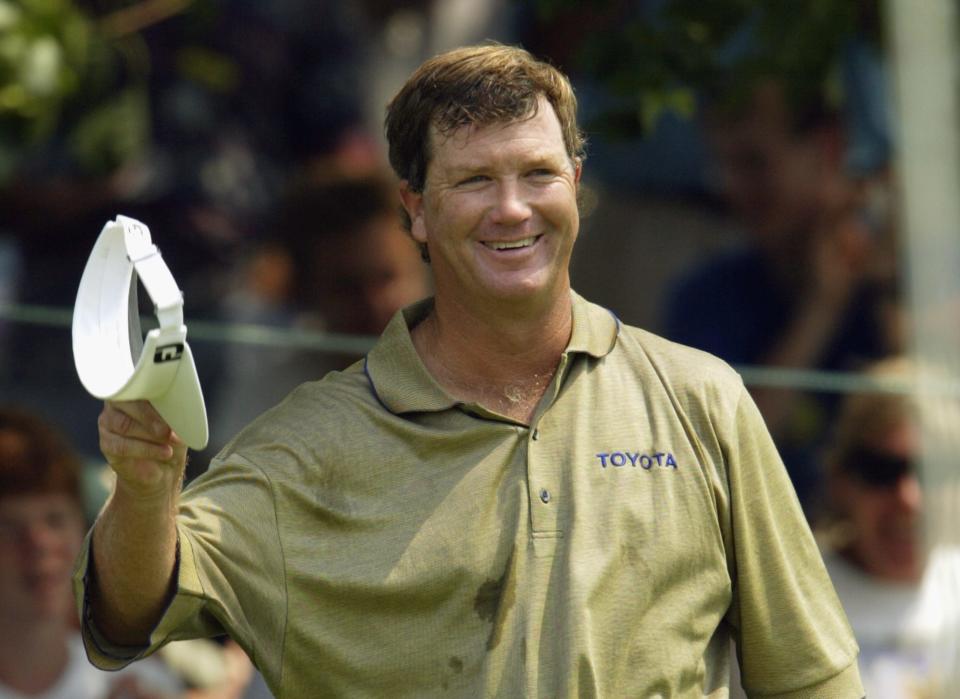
595,329
401,383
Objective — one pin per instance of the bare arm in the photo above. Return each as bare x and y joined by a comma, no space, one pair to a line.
839,262
134,539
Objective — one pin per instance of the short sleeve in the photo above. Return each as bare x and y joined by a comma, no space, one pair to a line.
793,638
230,573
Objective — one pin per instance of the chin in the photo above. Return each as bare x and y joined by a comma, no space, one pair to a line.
902,567
521,287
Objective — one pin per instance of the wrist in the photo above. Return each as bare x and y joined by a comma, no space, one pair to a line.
159,494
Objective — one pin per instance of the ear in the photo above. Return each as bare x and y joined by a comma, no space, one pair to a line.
577,170
413,205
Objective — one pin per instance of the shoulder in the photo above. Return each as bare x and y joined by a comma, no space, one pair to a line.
709,305
313,404
681,366
694,383
311,420
733,263
720,277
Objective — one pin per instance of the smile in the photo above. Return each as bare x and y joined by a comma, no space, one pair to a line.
512,244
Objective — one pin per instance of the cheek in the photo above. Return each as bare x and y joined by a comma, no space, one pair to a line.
868,515
65,544
452,218
557,202
74,544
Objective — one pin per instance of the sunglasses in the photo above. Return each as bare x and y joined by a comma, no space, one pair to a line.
876,468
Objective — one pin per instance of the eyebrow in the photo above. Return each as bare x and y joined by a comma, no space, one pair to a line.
532,161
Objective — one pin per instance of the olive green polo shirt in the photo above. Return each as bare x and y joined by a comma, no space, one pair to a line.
372,537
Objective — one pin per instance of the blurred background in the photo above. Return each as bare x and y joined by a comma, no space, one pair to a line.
775,183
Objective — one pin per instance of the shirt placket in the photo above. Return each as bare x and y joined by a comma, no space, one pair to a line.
543,478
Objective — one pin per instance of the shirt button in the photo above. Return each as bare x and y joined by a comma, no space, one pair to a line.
544,496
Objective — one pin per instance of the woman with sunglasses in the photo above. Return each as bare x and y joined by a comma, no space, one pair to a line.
898,605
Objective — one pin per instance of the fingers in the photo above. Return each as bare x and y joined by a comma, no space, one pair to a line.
135,419
134,430
147,456
118,447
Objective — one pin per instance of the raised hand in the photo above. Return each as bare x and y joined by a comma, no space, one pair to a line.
147,456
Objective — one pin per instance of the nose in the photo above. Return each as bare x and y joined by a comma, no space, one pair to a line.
511,207
909,493
38,537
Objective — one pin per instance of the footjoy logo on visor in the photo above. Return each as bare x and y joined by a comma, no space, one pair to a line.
168,353
636,459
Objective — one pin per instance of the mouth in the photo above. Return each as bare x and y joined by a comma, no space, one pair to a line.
511,244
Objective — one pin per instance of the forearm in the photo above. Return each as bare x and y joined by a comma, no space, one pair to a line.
134,556
801,346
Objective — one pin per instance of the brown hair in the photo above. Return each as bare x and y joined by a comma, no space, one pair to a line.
35,458
475,85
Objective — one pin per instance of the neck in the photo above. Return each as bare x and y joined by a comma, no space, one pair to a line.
34,657
501,358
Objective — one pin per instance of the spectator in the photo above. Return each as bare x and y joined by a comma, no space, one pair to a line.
808,289
876,556
41,531
354,265
339,262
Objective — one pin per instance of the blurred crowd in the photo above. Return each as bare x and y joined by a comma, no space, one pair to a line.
262,178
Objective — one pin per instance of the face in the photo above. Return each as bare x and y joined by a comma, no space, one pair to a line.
772,178
886,519
40,537
498,212
375,272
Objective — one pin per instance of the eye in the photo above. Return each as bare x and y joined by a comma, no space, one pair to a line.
473,179
540,173
57,519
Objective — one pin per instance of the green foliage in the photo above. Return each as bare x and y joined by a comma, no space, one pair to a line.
111,134
657,55
55,63
42,42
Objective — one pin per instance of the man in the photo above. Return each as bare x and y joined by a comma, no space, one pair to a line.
512,495
809,288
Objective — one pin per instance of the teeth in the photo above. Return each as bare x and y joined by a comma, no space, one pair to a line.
510,245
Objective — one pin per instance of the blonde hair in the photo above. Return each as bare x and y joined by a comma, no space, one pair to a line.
869,415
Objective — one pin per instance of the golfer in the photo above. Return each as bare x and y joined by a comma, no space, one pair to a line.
512,495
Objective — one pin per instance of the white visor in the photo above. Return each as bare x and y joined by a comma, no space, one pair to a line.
113,360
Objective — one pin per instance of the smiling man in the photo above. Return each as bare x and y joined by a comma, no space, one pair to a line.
512,495
498,215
